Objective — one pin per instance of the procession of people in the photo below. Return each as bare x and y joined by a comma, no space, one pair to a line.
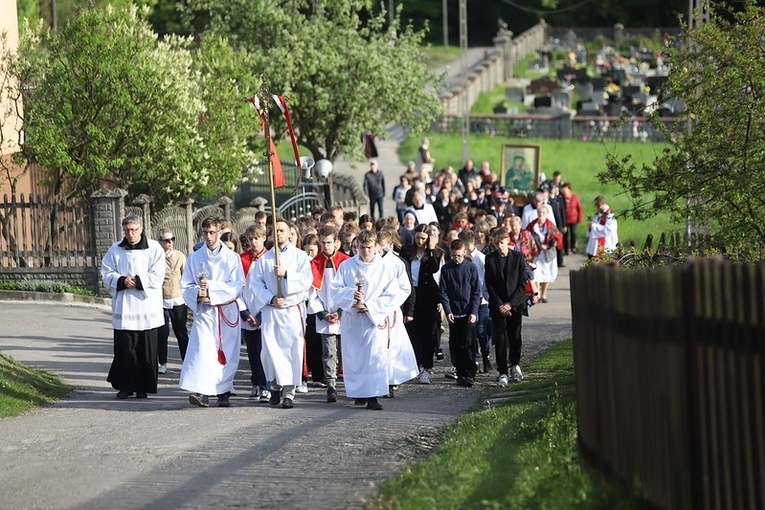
335,298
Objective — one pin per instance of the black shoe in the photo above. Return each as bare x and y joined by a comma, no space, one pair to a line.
468,382
451,374
331,395
198,400
440,355
287,403
391,392
223,401
460,381
122,395
373,404
359,401
141,395
276,397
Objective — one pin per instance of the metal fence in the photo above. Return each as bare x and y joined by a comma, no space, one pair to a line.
561,127
670,373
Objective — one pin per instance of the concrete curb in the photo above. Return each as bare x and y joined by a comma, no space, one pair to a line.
21,296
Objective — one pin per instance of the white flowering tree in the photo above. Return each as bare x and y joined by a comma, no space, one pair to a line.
343,70
111,102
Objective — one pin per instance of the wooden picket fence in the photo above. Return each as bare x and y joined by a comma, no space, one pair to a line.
670,373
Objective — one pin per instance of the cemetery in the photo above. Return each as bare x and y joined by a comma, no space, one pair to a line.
584,84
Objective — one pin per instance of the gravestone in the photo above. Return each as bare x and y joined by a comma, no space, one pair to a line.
515,94
614,108
569,39
561,98
619,76
674,105
655,82
541,101
583,90
598,83
588,108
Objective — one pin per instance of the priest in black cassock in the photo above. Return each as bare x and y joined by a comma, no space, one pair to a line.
133,271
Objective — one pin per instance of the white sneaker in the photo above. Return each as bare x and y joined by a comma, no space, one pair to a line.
423,378
515,373
265,396
303,388
162,369
502,381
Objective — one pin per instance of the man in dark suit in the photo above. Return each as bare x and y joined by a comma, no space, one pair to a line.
506,285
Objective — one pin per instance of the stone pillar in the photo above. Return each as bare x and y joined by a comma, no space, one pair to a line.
144,202
108,211
225,203
503,42
190,234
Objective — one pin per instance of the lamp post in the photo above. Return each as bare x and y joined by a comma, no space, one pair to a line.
324,171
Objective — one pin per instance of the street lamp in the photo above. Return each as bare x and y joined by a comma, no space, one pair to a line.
324,170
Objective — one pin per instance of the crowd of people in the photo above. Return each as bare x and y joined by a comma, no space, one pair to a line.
335,295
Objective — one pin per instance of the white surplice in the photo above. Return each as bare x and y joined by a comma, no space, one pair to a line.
214,323
134,309
283,328
402,360
366,340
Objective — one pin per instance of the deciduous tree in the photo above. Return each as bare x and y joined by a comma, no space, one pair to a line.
117,104
343,70
714,171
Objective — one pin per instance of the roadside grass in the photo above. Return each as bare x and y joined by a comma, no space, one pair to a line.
519,453
579,162
437,55
23,388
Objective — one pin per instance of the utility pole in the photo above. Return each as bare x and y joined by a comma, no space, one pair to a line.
464,107
445,16
698,13
390,12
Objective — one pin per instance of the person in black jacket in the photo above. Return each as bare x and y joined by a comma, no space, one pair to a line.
460,296
506,284
425,258
558,204
374,187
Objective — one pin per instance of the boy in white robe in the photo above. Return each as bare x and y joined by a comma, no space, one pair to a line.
366,333
212,358
403,362
278,292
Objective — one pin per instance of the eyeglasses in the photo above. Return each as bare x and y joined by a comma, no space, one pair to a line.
168,240
127,229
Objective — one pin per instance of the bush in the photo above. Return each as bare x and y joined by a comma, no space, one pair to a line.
45,286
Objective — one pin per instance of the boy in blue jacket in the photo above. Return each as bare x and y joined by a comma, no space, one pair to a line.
460,297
